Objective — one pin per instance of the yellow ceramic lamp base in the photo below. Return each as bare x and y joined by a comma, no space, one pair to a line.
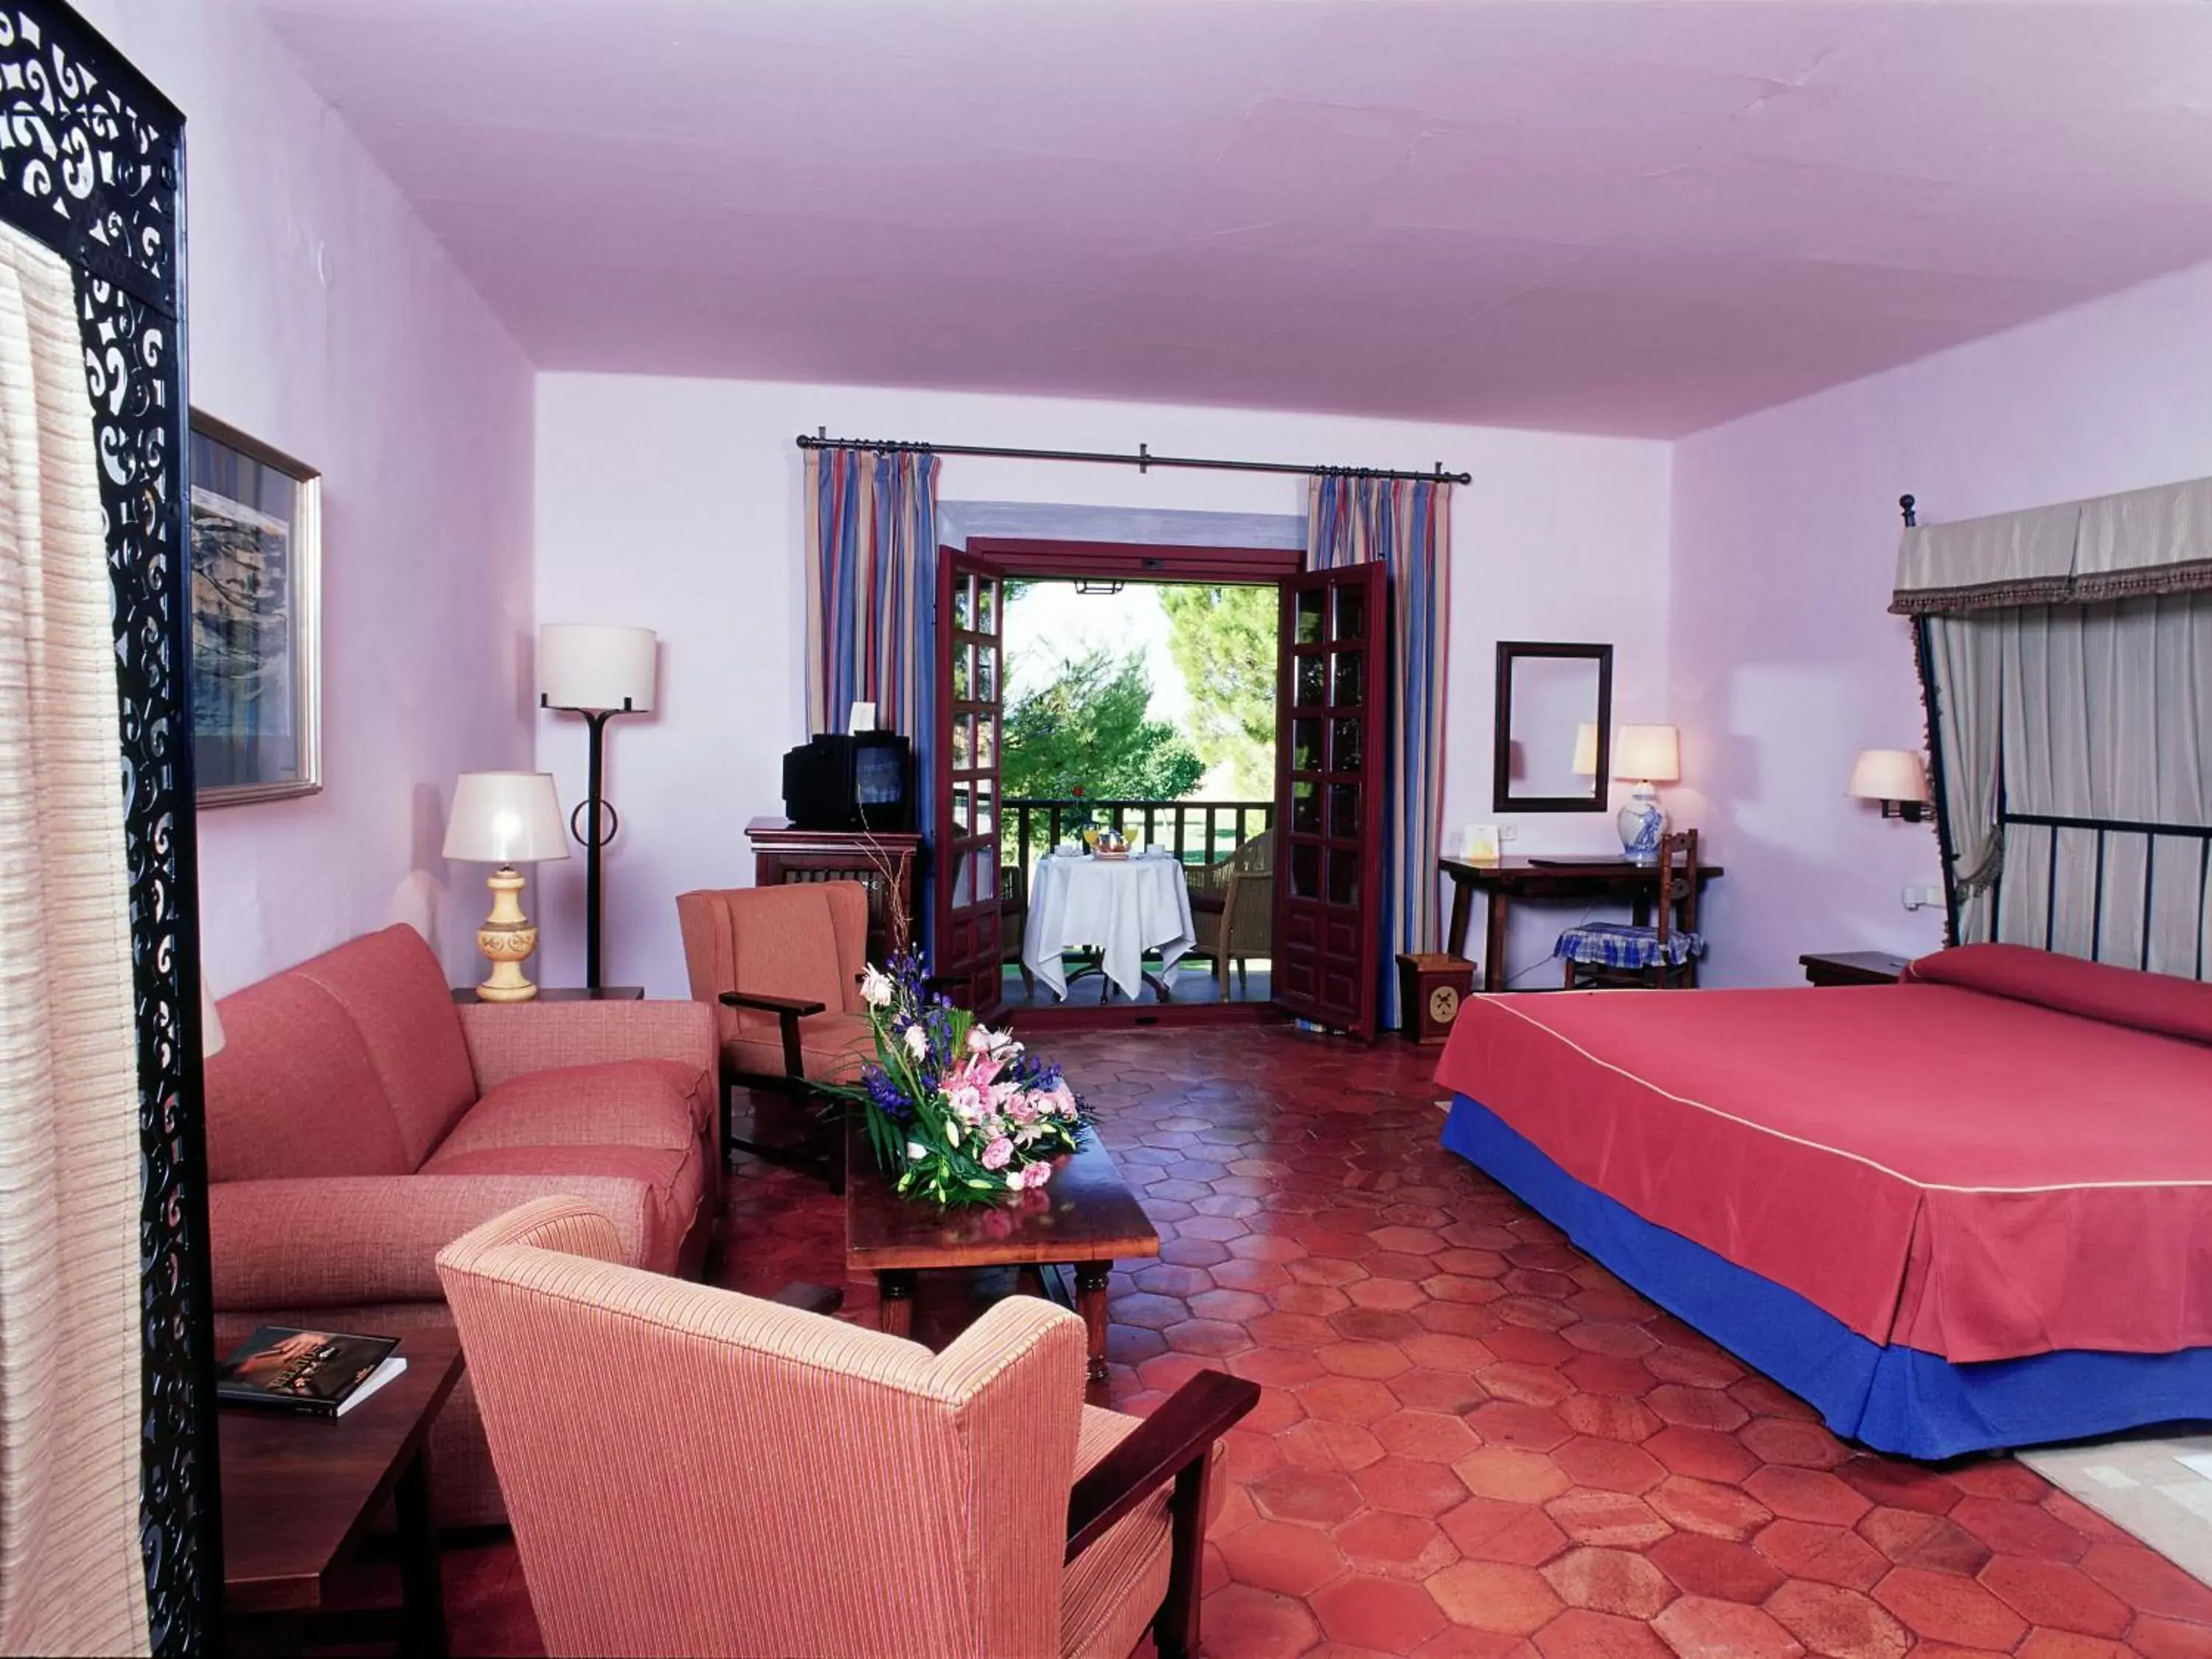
507,939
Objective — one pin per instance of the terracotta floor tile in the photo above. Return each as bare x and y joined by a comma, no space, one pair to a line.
1491,1595
1473,1442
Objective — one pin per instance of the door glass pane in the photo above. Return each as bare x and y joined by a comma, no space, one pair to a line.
1305,746
960,679
1305,870
1344,752
959,809
987,605
1306,629
983,873
987,674
963,891
985,816
1350,689
1351,613
1309,692
1344,811
1344,875
1305,808
964,602
963,742
987,740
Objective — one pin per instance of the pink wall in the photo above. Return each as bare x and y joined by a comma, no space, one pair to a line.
326,320
675,505
1782,659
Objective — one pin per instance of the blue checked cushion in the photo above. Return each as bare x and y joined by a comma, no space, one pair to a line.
1618,945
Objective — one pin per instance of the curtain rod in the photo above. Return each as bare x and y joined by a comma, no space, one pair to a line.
1144,460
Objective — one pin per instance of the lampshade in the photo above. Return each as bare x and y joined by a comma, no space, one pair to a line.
1585,765
1888,775
583,665
1646,754
506,817
210,1024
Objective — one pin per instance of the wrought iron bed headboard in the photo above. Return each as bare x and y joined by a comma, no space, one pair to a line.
2199,835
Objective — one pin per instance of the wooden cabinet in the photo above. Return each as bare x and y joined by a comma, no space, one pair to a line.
886,863
1851,967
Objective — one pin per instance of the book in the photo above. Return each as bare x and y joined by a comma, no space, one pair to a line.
321,1373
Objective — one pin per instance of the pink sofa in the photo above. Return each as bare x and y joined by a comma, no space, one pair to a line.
358,1121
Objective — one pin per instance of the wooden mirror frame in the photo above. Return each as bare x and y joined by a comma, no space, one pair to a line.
1502,798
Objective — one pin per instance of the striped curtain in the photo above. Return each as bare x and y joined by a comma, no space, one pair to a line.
871,596
1406,524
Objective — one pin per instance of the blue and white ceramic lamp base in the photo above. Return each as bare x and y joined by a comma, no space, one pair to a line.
1641,823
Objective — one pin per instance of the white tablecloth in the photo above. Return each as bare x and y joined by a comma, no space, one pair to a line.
1123,907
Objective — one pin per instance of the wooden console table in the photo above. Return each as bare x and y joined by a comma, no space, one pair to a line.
782,855
1560,877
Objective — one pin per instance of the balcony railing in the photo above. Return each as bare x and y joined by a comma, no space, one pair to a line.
1196,831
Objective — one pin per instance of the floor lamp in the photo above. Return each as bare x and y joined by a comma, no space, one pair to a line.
598,672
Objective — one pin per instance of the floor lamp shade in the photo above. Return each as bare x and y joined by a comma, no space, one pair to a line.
584,666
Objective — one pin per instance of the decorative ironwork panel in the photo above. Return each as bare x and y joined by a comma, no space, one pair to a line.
92,164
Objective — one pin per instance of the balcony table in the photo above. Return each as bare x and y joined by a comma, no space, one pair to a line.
1125,906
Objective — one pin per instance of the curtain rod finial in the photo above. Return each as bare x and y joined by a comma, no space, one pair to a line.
1906,505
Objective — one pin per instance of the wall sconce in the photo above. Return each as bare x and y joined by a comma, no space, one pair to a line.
1894,777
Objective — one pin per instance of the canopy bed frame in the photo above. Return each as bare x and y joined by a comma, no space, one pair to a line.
1965,1211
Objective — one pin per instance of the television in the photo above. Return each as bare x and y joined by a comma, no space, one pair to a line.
850,781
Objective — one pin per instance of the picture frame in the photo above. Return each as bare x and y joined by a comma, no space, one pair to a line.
256,597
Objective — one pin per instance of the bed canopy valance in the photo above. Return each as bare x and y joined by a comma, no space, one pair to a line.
2066,657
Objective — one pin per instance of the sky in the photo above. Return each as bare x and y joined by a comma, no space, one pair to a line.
1049,625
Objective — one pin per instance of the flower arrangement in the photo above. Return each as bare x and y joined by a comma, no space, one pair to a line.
963,1113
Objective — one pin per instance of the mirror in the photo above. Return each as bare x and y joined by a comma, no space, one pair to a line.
1554,741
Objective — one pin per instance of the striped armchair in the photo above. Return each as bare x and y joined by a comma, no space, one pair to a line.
767,1481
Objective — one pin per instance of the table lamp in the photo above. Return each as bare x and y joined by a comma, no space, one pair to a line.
1895,778
599,673
505,819
1644,756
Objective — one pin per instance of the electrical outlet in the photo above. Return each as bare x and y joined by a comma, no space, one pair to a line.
1508,832
1918,897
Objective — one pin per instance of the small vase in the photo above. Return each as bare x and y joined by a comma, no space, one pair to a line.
1641,823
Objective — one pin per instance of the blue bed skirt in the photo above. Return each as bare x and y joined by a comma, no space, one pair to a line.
1894,1399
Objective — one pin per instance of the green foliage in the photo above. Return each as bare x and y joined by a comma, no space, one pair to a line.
1087,733
1224,641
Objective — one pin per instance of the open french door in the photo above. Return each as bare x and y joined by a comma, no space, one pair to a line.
971,672
1331,727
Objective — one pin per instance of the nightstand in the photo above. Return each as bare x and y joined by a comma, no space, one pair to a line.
1853,967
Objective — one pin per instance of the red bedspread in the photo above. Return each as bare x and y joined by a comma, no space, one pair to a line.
1973,1174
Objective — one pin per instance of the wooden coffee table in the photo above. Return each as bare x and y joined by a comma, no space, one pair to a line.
299,1495
1085,1217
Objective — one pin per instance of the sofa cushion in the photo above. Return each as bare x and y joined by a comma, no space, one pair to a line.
831,1047
675,1183
390,985
295,1092
638,1102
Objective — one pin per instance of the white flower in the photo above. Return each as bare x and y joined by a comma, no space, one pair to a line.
979,1040
917,1042
916,1151
875,988
1014,1179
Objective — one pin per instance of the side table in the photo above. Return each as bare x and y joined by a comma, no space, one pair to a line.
1852,967
299,1495
561,994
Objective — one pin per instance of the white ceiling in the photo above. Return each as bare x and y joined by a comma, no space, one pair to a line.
1637,217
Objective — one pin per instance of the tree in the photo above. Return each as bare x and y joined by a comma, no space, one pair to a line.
1086,734
1223,639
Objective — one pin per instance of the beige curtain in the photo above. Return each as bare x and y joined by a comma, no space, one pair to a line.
1966,663
72,1578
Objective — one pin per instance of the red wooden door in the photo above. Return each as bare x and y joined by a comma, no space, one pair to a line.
971,668
1330,726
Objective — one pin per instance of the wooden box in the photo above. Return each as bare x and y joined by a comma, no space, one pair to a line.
1431,988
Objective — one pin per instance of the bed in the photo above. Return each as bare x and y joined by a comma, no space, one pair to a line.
1967,1211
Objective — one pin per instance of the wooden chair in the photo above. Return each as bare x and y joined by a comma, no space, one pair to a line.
782,966
1232,909
764,1481
1661,957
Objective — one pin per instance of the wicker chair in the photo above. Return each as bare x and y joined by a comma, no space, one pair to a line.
1232,909
1013,922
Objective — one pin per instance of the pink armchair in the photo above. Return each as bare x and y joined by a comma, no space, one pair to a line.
770,1482
358,1122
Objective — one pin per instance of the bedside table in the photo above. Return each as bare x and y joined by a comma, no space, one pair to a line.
1852,967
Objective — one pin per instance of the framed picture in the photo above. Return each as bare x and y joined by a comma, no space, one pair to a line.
257,619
